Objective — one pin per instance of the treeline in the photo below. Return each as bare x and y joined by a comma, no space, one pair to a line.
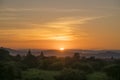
30,67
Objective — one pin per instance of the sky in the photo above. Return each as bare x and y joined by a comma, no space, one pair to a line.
52,24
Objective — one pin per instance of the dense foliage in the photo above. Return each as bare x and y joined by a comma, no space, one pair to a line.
40,67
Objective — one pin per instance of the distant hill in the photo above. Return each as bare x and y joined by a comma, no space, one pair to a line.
70,52
108,54
9,49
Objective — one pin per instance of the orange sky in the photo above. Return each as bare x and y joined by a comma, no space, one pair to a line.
72,24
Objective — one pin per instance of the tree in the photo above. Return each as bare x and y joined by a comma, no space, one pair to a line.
92,58
30,60
68,61
32,74
4,54
18,58
97,76
10,71
76,56
97,64
87,68
113,71
70,74
56,66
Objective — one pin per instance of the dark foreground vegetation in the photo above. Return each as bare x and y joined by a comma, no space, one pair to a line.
30,67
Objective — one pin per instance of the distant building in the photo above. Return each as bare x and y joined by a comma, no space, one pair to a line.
41,56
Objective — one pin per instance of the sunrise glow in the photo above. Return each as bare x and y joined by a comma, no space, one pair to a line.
62,49
45,24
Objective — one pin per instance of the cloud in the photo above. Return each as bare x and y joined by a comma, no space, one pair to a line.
40,9
110,8
7,18
63,29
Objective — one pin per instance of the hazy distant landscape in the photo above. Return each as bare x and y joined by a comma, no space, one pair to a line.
69,52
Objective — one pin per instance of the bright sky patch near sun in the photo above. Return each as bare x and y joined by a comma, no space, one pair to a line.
81,24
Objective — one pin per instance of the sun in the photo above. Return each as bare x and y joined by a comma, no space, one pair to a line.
62,49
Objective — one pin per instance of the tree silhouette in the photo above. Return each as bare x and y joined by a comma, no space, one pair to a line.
30,60
76,56
4,54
